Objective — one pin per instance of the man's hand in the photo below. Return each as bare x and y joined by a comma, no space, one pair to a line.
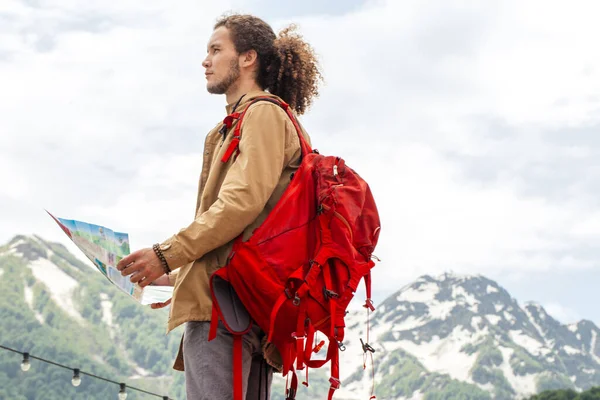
160,305
144,265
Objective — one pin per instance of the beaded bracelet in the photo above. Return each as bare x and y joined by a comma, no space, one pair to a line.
161,257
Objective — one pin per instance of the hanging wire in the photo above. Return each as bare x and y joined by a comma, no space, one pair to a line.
28,356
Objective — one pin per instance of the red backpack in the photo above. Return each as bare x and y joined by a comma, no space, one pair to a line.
301,267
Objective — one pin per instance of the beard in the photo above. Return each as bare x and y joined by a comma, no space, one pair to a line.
223,86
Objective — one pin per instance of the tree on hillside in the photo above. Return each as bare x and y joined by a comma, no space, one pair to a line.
568,394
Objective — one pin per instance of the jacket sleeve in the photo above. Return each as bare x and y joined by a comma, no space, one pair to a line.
247,187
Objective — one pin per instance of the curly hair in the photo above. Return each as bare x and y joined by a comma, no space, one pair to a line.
287,65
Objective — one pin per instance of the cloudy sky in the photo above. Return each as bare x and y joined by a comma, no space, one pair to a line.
476,124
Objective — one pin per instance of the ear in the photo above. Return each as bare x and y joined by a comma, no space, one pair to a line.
249,58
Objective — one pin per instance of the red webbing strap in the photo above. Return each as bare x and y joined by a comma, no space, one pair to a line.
372,378
305,383
369,303
274,313
291,392
365,351
228,121
300,335
303,144
310,340
309,280
332,347
335,370
237,368
214,322
330,300
234,145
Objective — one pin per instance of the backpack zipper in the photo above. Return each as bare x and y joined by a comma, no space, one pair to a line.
341,218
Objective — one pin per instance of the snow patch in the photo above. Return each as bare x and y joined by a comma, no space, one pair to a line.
1,272
107,316
493,319
425,293
527,342
534,323
593,347
140,372
488,387
29,296
509,317
476,321
13,251
525,385
417,395
588,371
459,292
17,243
29,301
571,350
491,289
441,310
498,307
444,355
60,285
572,327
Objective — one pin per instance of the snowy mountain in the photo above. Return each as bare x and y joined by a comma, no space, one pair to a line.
446,337
58,308
466,337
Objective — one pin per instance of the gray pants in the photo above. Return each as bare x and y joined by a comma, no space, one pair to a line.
209,365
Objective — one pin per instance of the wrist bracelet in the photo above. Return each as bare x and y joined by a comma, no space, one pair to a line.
161,257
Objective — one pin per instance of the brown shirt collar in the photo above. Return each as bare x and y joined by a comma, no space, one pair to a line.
244,100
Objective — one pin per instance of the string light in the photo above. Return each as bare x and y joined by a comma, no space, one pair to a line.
76,380
122,391
25,365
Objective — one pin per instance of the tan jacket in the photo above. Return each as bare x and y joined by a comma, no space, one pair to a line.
233,198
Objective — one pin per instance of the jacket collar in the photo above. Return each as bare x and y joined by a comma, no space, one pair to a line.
245,100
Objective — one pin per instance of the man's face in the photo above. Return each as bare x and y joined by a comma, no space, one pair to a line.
221,62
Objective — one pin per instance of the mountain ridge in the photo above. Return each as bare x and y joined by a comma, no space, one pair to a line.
439,337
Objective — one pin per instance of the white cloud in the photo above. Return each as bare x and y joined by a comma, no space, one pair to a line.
455,116
561,313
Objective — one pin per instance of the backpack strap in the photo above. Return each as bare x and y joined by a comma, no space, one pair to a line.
237,135
228,308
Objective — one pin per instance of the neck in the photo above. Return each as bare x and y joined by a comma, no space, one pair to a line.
239,89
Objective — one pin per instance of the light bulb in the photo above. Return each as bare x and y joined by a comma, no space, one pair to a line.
122,392
76,381
25,364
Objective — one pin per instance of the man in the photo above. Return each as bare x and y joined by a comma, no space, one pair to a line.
245,60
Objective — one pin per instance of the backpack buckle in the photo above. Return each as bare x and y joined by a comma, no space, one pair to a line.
291,395
341,346
296,298
366,347
330,294
335,383
301,337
